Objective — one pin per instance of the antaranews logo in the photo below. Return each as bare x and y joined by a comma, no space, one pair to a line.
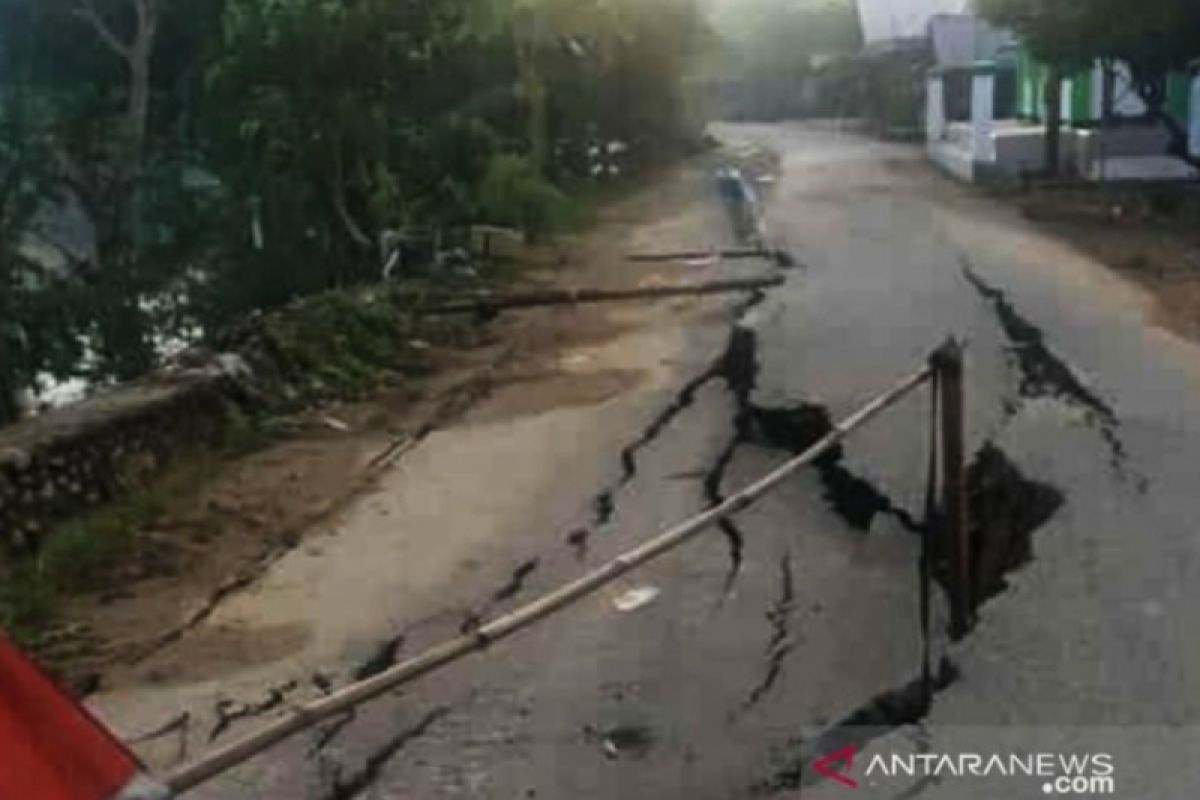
1059,773
826,765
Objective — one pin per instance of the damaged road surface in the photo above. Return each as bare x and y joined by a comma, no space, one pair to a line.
793,631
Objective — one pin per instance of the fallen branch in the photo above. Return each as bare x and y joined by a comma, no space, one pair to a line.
485,302
305,716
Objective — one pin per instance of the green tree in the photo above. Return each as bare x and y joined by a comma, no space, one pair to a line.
773,45
103,166
1055,34
318,107
233,154
590,70
37,328
1153,38
112,118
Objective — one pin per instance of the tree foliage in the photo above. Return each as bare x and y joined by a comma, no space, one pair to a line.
230,155
1153,38
773,46
36,311
319,94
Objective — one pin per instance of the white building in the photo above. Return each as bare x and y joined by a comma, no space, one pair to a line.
984,103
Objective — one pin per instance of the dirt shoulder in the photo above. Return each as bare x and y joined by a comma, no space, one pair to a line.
156,621
1148,234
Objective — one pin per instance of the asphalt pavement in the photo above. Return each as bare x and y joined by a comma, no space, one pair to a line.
764,646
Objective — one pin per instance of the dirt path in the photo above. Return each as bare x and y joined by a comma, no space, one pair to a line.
358,562
1149,235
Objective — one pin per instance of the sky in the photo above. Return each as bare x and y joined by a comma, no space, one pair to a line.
734,17
881,19
893,19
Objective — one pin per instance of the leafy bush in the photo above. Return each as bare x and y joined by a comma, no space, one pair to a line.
516,194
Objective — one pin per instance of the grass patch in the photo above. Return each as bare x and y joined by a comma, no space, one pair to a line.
83,554
346,344
244,433
590,198
338,345
27,606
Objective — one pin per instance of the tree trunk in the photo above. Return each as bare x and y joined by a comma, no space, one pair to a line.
538,122
1053,117
124,348
138,112
10,406
1152,91
137,115
1108,91
532,86
119,194
1178,139
337,196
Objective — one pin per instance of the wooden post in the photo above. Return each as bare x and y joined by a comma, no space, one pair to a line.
947,362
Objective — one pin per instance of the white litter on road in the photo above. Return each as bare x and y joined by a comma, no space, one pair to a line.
634,599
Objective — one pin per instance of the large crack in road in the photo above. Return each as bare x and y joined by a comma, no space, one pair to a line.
782,640
473,619
343,787
711,481
383,657
1044,374
228,711
879,716
737,367
1006,509
852,497
604,505
855,499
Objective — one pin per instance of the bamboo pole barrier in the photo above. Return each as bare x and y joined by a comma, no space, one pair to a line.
487,301
688,255
304,716
778,256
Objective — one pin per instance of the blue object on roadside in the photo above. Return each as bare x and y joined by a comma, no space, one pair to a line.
741,202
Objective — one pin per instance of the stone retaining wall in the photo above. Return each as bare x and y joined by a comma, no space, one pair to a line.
70,459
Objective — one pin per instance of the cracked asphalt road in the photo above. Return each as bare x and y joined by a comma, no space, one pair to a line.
729,682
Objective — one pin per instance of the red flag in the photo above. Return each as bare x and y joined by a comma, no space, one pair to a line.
51,747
